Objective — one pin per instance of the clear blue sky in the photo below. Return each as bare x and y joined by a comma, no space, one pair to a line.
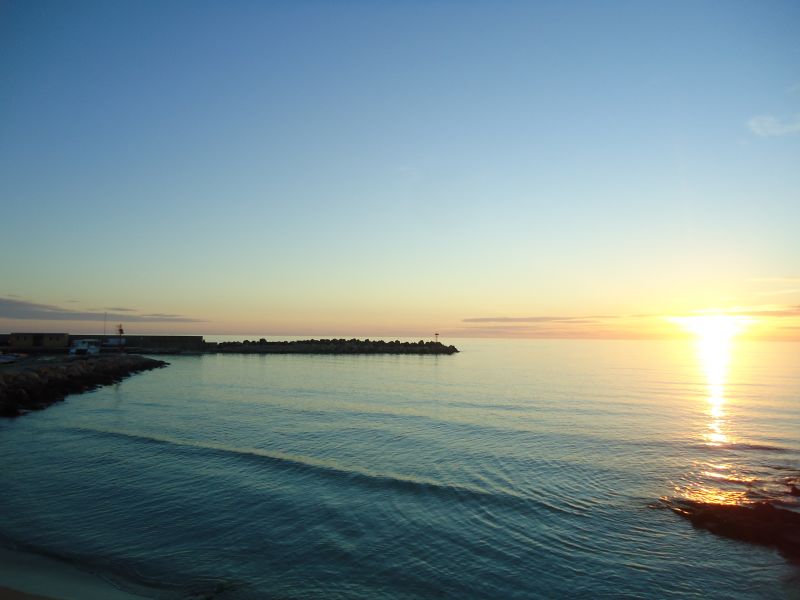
392,167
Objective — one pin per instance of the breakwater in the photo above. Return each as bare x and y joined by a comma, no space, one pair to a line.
35,384
332,346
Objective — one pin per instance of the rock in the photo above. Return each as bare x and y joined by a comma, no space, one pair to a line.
36,385
334,346
757,523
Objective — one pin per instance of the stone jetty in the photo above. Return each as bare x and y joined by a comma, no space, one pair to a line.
36,383
332,346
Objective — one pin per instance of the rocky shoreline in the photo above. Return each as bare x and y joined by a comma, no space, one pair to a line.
34,384
758,523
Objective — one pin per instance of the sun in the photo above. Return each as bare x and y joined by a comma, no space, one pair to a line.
714,336
714,329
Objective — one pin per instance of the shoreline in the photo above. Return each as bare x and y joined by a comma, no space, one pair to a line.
28,576
10,594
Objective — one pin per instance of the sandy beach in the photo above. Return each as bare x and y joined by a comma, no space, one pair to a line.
26,576
9,594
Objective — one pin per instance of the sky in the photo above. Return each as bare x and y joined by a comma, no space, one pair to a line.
496,168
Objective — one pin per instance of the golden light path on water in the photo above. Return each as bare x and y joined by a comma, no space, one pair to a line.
714,345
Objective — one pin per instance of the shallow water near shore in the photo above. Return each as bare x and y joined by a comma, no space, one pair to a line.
514,469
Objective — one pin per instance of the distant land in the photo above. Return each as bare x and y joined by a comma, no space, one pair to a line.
59,343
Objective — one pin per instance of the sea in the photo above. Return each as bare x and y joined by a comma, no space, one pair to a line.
513,469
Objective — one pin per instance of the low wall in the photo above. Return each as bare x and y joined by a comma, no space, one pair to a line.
154,342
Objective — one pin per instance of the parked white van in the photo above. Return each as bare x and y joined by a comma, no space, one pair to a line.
88,346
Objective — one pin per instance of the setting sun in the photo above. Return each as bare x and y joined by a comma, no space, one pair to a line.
714,334
716,329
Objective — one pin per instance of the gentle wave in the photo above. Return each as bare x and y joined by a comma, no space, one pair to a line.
340,473
741,446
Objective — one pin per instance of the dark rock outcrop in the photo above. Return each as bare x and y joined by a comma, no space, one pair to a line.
333,346
757,523
33,385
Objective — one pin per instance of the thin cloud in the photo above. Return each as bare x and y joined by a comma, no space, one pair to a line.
555,326
762,310
540,319
564,331
775,280
779,292
780,285
783,311
769,126
11,308
621,326
118,309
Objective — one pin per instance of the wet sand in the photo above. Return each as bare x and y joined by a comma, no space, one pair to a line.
9,594
26,576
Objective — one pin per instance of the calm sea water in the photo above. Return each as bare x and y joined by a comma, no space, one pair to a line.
515,469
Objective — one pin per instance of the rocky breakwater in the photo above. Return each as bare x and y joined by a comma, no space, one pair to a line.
34,384
334,346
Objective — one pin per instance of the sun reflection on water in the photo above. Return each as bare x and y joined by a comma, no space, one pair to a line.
714,341
713,345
